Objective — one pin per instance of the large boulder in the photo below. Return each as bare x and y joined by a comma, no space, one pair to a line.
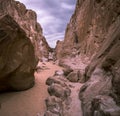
67,71
54,106
17,59
74,76
27,20
59,91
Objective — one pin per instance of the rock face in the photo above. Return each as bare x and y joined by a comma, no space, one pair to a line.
17,58
94,31
63,97
92,23
103,77
27,20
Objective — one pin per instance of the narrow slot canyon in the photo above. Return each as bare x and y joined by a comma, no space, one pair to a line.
46,71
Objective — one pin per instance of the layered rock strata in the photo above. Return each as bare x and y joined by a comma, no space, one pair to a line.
27,20
17,58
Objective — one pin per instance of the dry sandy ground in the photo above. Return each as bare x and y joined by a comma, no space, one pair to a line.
30,102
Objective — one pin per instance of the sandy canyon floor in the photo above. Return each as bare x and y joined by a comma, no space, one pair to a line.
31,102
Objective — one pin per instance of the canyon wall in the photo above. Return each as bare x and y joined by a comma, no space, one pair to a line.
89,27
27,20
21,45
94,32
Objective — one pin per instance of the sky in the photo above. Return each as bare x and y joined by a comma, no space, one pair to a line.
53,15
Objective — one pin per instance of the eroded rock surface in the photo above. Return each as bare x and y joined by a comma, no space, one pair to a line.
74,76
27,19
94,32
54,106
17,58
90,25
64,97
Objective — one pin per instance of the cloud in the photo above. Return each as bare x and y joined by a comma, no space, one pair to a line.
67,6
53,15
53,38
